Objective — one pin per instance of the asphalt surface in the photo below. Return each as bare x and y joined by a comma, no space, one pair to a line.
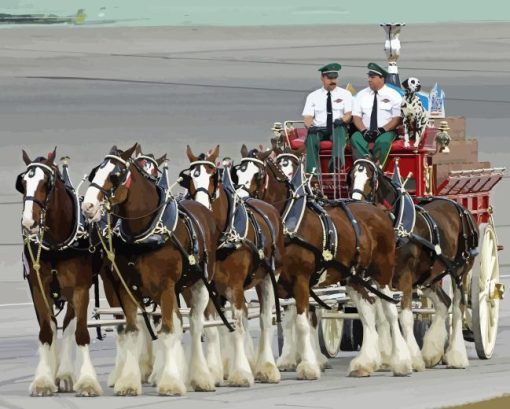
84,90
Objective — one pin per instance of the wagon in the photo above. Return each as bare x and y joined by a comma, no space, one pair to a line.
455,173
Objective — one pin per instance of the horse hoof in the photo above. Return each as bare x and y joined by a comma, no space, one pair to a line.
128,386
359,373
88,387
202,382
456,360
418,364
267,373
171,386
65,382
307,371
287,366
43,386
240,379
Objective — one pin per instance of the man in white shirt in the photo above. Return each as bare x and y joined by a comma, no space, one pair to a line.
376,114
326,114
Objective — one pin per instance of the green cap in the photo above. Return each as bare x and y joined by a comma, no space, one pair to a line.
375,69
333,67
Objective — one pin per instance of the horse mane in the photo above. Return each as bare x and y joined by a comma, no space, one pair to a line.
386,189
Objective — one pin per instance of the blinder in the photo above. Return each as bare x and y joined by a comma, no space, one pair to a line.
19,183
92,173
185,179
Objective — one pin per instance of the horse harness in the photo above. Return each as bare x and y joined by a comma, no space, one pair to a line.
77,241
240,215
300,200
404,213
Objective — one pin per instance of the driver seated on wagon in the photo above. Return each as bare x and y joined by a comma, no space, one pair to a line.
326,115
376,114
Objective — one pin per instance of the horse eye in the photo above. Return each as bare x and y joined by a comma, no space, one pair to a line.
31,173
285,162
196,173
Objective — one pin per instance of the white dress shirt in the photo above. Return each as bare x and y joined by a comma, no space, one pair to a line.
388,105
316,105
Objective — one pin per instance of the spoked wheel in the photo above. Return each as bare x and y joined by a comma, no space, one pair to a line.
330,335
486,291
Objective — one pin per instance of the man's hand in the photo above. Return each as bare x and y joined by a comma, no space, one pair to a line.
369,135
338,122
380,131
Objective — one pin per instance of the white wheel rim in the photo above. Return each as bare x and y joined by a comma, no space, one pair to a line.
489,276
332,334
485,306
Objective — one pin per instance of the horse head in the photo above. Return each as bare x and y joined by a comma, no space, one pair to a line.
251,173
201,179
109,181
36,184
288,159
363,180
147,162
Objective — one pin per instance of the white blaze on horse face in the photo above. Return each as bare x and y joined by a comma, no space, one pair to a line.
201,180
32,179
287,167
360,179
149,168
244,178
91,204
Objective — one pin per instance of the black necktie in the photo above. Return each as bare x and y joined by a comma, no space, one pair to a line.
373,115
329,109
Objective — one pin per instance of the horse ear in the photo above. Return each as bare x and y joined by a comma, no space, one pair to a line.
113,150
264,155
261,148
161,160
212,157
51,156
26,159
138,150
244,151
127,154
191,156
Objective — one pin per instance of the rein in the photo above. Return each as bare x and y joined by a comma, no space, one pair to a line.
110,254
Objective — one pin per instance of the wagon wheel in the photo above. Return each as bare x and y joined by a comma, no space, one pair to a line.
330,335
486,291
352,336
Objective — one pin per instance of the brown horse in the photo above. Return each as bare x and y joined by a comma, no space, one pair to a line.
368,254
150,165
252,181
242,264
422,265
162,259
50,222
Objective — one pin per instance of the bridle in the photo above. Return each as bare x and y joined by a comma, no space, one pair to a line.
50,187
186,179
123,174
141,159
374,184
261,177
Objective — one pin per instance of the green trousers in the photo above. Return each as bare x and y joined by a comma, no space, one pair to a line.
380,151
313,141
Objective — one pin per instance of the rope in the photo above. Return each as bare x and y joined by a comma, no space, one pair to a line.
37,266
111,256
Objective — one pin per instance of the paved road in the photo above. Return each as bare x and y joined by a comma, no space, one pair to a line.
87,89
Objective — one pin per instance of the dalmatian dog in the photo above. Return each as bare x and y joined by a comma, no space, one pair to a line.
414,116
